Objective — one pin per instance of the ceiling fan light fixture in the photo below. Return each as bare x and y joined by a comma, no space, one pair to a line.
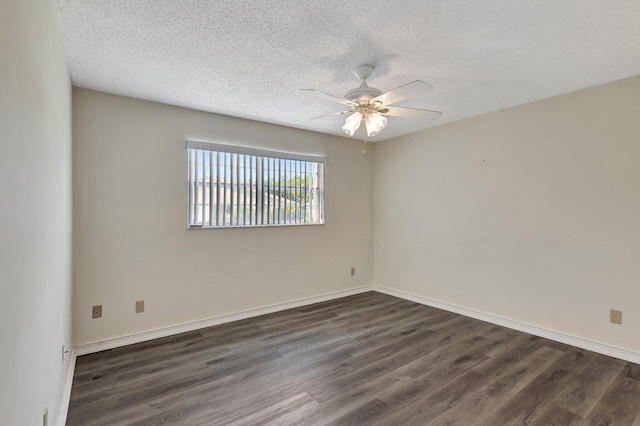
368,107
352,123
375,123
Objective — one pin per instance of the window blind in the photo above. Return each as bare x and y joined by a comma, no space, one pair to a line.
232,186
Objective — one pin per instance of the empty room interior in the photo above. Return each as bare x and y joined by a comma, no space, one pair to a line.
319,213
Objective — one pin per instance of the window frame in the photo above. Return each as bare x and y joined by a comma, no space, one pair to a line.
260,155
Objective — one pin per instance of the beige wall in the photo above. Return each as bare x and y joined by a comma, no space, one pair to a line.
35,212
530,213
130,236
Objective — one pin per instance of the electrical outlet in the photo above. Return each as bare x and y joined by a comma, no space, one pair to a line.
96,312
139,306
65,351
615,317
45,417
353,271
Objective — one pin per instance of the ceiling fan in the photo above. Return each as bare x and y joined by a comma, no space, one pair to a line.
371,106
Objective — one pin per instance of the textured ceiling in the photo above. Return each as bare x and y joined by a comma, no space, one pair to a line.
250,58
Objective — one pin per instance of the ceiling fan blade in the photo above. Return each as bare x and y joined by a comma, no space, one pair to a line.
409,90
421,114
323,116
343,101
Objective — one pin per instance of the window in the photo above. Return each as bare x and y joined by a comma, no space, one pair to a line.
233,186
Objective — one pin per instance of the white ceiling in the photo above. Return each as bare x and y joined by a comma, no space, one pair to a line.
249,58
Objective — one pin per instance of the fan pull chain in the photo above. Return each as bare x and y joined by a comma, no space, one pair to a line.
364,142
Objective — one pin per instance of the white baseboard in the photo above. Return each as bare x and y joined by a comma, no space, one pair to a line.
515,325
222,319
66,397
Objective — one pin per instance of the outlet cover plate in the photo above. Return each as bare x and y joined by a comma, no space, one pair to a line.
615,316
139,306
96,311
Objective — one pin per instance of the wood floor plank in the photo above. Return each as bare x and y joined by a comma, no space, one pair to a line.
620,404
277,410
477,405
364,415
471,382
559,417
632,371
586,389
541,394
368,359
397,387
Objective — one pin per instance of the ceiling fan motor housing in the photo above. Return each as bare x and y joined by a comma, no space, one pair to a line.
363,94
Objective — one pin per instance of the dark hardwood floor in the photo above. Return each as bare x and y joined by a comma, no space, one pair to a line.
369,359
